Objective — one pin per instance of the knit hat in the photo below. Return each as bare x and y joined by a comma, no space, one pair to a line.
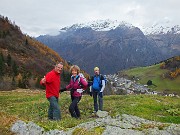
96,68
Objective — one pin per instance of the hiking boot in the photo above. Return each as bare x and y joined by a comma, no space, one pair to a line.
94,112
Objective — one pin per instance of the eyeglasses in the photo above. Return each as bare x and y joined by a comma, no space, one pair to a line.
60,68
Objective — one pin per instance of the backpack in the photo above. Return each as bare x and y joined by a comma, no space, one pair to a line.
81,76
105,79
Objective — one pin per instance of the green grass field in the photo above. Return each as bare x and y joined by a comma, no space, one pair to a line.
33,106
155,74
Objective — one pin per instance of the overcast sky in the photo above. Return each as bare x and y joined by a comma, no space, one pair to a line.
39,17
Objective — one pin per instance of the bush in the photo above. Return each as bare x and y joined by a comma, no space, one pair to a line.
149,82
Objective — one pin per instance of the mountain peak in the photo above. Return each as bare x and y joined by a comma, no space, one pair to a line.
99,25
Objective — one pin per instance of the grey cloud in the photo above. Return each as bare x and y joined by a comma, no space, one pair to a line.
37,17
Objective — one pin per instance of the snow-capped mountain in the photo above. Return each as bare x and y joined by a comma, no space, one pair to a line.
161,29
113,45
99,25
106,25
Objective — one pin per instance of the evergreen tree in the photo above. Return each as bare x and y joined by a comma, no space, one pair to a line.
66,76
20,83
13,83
25,80
1,55
4,34
37,85
1,64
15,69
9,60
26,41
1,34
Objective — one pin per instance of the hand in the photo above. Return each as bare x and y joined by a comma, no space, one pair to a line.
62,90
43,80
101,94
90,93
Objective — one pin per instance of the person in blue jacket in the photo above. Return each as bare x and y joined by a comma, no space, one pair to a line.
96,89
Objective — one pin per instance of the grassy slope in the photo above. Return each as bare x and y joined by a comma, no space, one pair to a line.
30,106
155,74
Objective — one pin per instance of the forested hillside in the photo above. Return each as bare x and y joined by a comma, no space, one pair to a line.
24,60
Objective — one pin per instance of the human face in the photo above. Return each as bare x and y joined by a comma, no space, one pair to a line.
58,68
74,72
96,72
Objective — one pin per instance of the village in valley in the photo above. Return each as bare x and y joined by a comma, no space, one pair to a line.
121,86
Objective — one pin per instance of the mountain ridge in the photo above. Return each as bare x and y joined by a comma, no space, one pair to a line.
106,25
99,25
113,50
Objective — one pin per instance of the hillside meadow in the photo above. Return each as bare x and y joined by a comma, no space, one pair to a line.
30,105
156,75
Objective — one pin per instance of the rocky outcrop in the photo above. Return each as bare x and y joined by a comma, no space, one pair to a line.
122,125
21,128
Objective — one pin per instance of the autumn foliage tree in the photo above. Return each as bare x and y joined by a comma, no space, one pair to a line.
173,65
175,73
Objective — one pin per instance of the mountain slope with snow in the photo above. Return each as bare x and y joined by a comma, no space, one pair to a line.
112,45
99,25
158,29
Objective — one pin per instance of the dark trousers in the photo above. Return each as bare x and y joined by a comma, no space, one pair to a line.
97,105
73,108
54,112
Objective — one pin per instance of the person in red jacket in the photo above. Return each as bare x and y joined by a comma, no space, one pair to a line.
77,85
52,83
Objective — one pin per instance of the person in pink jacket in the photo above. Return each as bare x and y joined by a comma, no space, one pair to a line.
76,86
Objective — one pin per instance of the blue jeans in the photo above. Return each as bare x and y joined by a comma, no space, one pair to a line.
100,101
54,112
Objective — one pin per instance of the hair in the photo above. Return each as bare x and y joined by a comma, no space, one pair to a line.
96,68
75,67
58,63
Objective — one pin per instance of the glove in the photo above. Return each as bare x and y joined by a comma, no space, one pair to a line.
90,93
72,91
62,90
80,90
101,94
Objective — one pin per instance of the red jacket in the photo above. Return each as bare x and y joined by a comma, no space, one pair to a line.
52,84
76,85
